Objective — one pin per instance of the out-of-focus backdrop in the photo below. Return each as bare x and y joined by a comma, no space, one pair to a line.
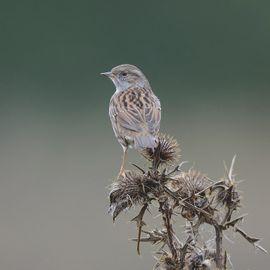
209,63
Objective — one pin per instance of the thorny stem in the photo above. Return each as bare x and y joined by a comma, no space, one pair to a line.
183,254
166,216
140,223
219,239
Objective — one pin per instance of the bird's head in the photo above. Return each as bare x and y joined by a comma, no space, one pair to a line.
126,76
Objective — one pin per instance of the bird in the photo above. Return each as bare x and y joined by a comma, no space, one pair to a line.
134,110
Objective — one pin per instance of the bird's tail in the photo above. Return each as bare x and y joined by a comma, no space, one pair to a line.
145,141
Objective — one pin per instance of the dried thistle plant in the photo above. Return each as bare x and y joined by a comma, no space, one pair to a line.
187,194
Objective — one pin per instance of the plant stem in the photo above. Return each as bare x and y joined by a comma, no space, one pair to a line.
166,215
219,238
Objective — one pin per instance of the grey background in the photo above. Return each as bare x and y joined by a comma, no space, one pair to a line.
208,61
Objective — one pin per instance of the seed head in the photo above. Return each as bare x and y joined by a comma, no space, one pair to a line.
167,151
189,183
191,186
128,190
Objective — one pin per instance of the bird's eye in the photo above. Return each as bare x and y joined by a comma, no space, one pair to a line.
124,74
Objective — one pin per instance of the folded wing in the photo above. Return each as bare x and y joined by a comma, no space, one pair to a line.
136,113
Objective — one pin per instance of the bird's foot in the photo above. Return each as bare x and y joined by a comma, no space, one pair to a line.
121,173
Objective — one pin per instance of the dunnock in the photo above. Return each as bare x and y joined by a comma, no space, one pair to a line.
134,110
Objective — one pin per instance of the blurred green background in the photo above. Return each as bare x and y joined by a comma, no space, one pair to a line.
209,63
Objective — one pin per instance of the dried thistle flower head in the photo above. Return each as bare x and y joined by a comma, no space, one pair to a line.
168,150
128,190
189,183
226,193
191,186
166,263
196,260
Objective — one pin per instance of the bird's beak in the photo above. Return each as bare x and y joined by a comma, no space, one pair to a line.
107,74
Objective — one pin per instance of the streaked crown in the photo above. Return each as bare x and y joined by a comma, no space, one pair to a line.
126,76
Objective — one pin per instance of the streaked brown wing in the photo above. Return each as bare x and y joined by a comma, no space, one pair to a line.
153,115
136,111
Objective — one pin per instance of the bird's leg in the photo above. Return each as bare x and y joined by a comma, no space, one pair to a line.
123,161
